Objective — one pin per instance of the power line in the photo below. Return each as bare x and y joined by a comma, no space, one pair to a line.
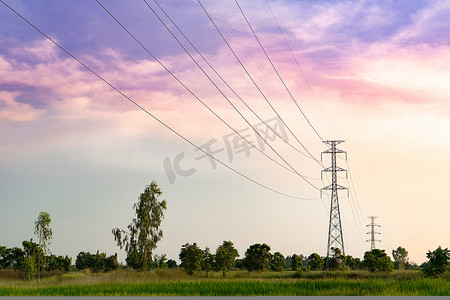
359,213
287,89
276,71
226,98
253,81
221,78
225,81
400,240
298,66
144,110
356,222
356,216
229,46
193,94
352,186
306,80
408,236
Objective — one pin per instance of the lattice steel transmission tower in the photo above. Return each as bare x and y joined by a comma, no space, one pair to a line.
372,232
335,236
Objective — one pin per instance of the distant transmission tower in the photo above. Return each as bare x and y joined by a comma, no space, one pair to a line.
335,237
372,233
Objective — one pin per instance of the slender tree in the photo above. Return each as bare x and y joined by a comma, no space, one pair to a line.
44,232
144,232
207,261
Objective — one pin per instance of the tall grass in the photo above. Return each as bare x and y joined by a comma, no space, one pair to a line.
336,287
238,283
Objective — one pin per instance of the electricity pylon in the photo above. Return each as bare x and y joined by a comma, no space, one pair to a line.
372,232
335,236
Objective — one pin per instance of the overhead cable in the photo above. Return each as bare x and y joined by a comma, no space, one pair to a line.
146,111
276,71
218,75
202,102
254,83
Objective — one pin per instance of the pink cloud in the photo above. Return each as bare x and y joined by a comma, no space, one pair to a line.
389,73
12,110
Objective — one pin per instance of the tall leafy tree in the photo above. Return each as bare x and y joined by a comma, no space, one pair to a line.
437,262
144,232
226,257
191,257
400,256
257,257
44,232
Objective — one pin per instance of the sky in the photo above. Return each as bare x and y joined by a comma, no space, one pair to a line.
372,73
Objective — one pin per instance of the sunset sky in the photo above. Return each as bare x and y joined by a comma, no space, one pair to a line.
373,73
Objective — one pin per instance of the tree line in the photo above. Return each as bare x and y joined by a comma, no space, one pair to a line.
34,258
140,238
258,257
26,260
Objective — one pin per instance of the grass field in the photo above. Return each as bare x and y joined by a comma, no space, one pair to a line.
238,283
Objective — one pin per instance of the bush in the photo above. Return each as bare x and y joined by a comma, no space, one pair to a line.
377,260
298,274
315,262
96,262
171,264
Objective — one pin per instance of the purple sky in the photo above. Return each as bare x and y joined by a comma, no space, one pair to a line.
378,74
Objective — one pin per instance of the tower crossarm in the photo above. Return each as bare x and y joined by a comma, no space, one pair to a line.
338,187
